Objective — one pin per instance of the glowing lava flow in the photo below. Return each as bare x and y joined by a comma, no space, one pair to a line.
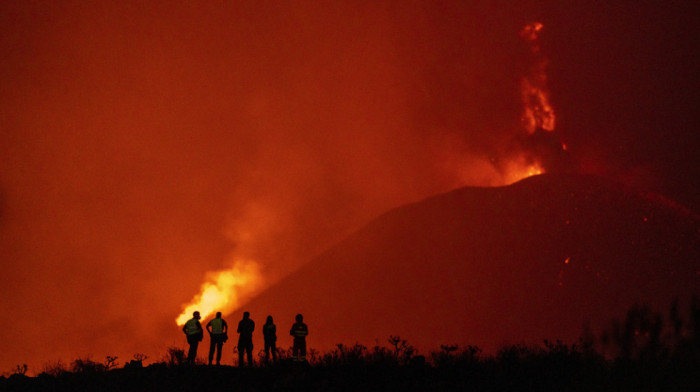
224,291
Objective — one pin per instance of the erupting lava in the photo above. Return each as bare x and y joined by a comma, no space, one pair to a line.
538,116
516,170
224,291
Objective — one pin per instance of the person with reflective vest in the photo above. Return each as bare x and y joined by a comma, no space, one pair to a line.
195,334
299,331
245,339
218,334
270,335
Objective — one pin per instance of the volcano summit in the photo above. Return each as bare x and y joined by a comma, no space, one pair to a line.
486,266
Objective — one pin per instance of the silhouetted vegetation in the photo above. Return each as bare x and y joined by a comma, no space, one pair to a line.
644,351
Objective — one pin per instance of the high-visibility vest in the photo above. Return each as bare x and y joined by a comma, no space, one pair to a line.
299,330
191,327
217,325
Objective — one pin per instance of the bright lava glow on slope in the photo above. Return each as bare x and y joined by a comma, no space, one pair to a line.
224,291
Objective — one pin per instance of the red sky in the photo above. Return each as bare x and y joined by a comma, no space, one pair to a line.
143,144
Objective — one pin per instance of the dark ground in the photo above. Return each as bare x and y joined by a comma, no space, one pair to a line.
552,368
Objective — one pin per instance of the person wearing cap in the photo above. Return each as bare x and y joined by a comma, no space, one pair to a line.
194,332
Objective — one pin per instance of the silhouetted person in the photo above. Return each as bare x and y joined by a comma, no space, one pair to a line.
270,335
299,331
195,334
218,334
245,339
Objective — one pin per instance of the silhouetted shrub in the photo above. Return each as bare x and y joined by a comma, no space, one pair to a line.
86,365
20,369
136,362
450,355
656,355
345,355
55,369
644,335
174,356
110,362
382,356
402,350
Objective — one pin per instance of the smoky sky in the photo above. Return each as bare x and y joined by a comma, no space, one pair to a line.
144,144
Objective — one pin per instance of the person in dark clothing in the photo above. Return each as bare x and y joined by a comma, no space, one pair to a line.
195,334
218,334
270,335
299,331
245,339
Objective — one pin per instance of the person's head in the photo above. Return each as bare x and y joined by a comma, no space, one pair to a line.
196,316
299,318
218,314
246,315
269,319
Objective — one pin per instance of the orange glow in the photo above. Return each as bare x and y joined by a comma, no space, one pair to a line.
224,291
530,32
538,112
519,169
148,147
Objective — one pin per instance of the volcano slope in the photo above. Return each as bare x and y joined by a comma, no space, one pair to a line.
490,266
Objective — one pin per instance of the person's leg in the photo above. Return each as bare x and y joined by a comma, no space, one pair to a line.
267,352
192,355
302,350
212,347
274,352
249,353
219,348
241,353
295,350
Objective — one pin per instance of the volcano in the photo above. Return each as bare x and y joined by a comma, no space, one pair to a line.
534,260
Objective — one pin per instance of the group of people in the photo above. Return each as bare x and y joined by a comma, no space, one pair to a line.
218,334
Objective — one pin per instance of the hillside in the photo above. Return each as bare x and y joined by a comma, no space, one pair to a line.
487,266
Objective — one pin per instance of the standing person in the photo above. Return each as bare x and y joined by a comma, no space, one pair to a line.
245,339
218,334
195,334
299,331
270,335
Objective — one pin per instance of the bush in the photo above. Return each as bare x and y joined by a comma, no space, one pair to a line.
20,369
175,356
86,365
55,369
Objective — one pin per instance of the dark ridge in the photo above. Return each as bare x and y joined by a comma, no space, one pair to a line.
534,260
